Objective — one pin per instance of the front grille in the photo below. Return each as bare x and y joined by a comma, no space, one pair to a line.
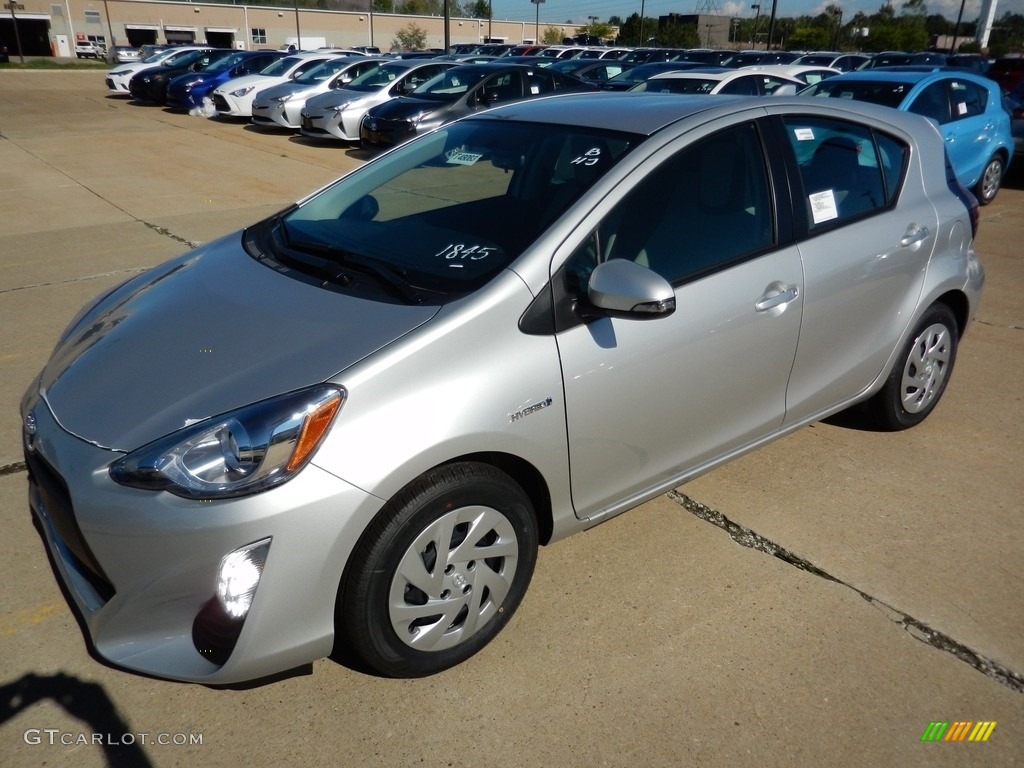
56,501
221,103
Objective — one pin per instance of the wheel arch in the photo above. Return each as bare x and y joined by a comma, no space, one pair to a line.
960,307
527,476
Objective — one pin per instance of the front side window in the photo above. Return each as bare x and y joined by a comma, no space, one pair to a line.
848,170
703,209
932,102
441,216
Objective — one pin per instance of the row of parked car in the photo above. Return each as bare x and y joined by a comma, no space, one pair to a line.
346,95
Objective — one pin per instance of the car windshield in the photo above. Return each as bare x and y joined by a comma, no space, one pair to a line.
281,67
378,78
220,65
888,93
324,71
451,84
442,215
678,85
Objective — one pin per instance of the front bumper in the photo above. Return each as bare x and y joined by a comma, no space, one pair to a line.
141,566
277,115
383,132
328,124
231,106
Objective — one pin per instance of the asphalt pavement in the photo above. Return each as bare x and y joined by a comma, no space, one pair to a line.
820,602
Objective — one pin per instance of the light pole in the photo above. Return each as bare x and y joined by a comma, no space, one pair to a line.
757,18
12,6
641,42
839,27
536,29
298,34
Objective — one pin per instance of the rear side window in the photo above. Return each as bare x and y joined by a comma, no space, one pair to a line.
967,99
847,170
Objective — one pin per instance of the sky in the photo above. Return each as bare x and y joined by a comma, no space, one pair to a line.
560,11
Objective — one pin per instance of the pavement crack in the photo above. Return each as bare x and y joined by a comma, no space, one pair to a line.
83,278
11,469
917,629
167,233
990,324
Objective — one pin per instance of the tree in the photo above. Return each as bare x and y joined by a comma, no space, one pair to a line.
411,37
629,30
599,29
551,36
673,34
480,9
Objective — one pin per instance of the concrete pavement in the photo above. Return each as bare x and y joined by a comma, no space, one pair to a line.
895,597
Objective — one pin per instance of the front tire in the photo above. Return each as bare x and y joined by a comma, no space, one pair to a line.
440,571
920,374
991,179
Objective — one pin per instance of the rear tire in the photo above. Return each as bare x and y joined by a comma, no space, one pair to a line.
991,180
440,571
920,374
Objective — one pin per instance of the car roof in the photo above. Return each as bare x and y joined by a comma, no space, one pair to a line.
648,113
702,73
914,75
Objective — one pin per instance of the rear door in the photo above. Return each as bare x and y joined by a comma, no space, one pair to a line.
868,231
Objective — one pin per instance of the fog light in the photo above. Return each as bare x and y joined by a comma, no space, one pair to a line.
239,575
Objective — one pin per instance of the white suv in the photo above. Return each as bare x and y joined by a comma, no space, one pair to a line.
86,49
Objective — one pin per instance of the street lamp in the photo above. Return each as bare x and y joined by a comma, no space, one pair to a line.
839,28
536,30
753,33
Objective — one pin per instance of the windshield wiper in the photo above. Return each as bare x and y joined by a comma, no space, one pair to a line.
338,258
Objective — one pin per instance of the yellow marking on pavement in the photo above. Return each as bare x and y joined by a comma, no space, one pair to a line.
29,617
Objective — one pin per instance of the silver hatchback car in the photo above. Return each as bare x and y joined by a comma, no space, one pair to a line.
354,423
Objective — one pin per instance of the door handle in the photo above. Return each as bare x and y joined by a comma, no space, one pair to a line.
776,296
914,234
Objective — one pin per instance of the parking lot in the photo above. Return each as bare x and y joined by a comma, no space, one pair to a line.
818,602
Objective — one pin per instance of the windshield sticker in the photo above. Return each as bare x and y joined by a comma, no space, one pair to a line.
804,134
460,156
823,206
456,253
591,157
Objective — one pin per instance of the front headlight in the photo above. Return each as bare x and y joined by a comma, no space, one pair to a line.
242,91
282,99
237,453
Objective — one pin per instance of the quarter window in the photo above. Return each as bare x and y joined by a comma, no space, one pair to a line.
848,171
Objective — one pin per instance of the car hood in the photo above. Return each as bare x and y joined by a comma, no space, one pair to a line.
337,96
208,332
253,79
408,106
285,89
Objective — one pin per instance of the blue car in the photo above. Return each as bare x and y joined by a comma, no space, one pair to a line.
968,109
188,91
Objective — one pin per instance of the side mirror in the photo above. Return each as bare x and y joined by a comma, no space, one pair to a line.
623,288
785,90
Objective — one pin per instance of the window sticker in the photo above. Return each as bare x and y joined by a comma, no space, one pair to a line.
823,206
804,134
591,157
456,253
459,156
961,108
534,89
